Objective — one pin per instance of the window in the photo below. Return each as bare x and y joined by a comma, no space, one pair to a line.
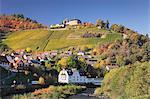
63,76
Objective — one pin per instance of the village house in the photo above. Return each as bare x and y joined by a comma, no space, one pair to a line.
77,77
53,53
91,61
6,61
81,53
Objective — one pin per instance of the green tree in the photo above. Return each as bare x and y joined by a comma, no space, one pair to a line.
117,28
20,16
100,23
72,62
82,63
147,35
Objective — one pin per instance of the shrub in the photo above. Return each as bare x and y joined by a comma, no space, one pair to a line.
54,92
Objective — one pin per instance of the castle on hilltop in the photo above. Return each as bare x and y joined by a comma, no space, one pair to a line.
65,23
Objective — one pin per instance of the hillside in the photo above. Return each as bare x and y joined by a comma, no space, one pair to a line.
47,39
122,55
16,22
130,82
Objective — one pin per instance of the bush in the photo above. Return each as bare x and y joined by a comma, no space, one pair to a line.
91,35
54,92
20,87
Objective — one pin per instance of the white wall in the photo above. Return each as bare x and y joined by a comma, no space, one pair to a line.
63,77
76,78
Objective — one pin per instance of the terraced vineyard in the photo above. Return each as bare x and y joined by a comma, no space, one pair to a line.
48,40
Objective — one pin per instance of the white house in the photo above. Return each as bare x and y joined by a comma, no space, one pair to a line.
75,76
53,53
80,53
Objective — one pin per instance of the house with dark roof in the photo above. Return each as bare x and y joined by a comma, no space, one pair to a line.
5,62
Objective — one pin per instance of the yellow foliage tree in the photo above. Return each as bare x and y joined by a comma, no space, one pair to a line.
41,81
63,62
100,64
47,65
95,51
28,50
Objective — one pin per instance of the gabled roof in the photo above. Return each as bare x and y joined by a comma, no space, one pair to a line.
71,71
75,19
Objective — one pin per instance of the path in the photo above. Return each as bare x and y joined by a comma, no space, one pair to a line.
47,40
87,94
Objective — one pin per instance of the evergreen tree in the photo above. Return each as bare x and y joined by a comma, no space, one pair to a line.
107,24
147,35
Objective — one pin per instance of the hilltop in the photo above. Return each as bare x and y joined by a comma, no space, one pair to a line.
71,34
17,22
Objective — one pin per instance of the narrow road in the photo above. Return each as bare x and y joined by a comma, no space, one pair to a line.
47,40
87,94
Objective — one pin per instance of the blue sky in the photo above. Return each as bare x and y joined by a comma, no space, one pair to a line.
134,14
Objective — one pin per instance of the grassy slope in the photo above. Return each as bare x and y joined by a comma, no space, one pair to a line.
48,40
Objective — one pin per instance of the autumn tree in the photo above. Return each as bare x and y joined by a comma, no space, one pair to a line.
100,64
47,65
28,50
63,63
41,81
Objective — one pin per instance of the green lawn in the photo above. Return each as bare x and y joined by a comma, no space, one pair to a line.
48,40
